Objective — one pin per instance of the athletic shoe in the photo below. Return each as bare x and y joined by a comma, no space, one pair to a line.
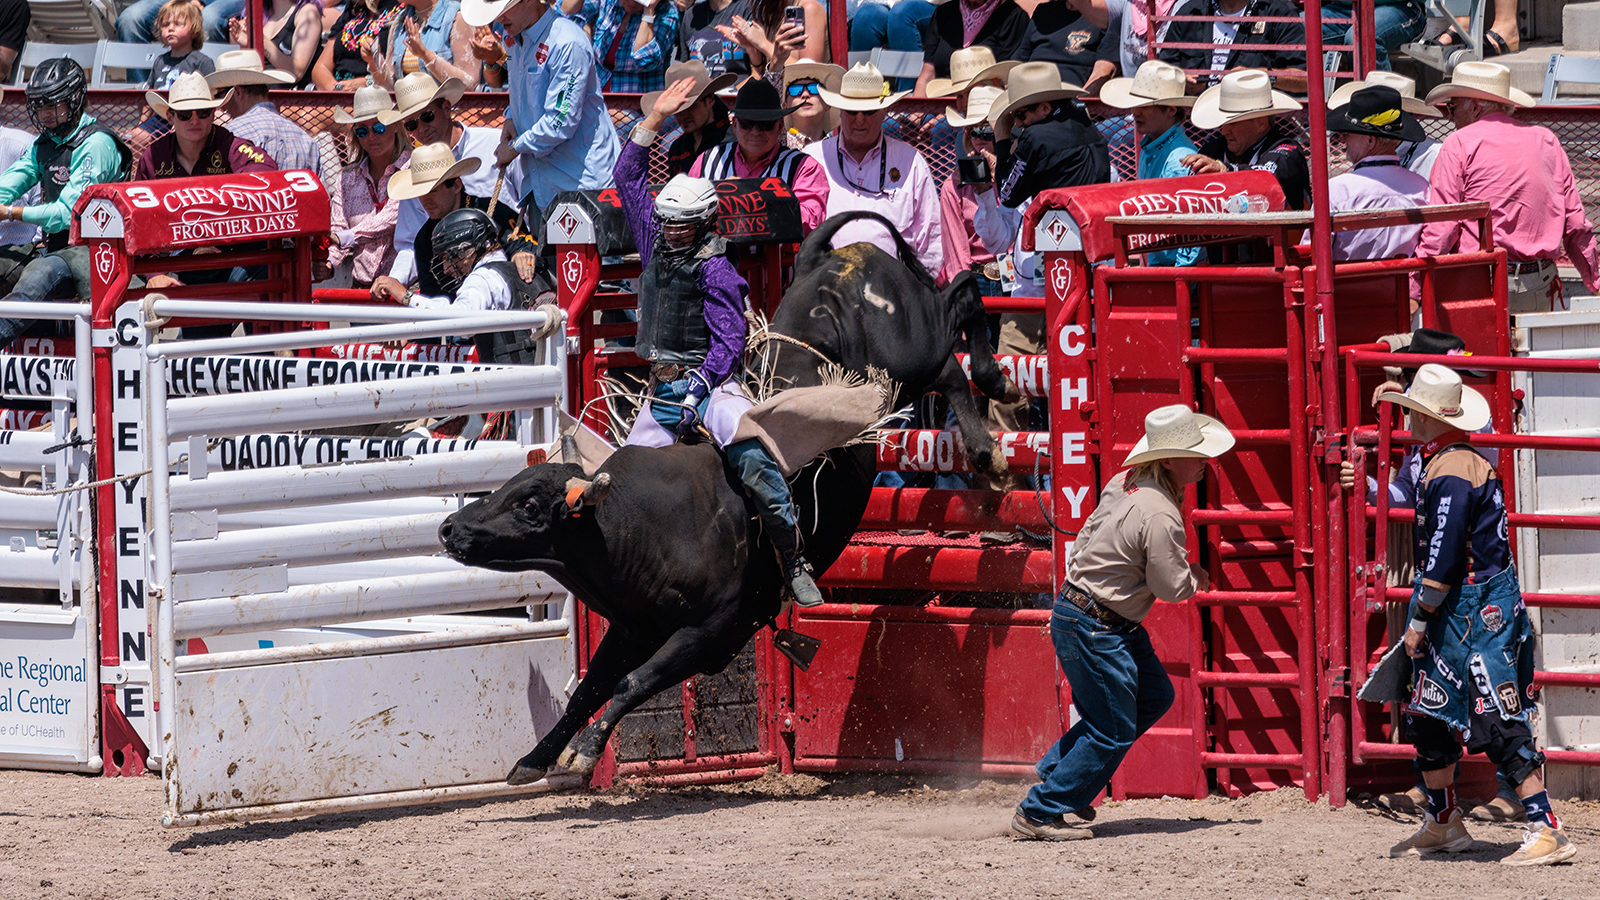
1057,830
1412,801
1432,837
1541,846
1500,809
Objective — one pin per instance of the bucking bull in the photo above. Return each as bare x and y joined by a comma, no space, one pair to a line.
663,543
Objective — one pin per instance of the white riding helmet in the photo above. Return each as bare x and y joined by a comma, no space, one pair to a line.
687,201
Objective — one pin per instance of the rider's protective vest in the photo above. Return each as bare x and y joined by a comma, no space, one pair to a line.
515,347
672,317
55,170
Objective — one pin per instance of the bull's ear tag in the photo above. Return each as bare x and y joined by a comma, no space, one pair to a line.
536,456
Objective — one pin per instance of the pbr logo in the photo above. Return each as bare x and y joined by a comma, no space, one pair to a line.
1429,694
1510,702
1493,618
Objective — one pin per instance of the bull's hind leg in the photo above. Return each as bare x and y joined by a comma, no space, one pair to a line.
616,656
687,652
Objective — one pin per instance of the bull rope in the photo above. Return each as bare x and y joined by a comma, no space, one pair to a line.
50,492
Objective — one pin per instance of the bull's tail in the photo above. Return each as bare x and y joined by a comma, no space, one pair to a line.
814,251
964,299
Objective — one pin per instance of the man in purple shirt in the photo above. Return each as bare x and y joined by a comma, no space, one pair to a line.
692,331
1374,124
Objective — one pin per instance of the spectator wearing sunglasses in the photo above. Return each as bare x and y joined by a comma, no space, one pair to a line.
364,222
758,152
424,113
813,120
196,145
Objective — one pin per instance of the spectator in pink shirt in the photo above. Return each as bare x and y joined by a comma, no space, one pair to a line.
1523,173
758,152
364,220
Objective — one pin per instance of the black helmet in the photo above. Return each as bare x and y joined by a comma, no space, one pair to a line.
57,81
456,234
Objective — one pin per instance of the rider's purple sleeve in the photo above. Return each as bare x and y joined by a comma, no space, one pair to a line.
725,291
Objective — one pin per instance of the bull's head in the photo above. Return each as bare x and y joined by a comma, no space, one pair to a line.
517,527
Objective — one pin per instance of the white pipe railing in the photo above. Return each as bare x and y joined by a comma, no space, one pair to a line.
322,544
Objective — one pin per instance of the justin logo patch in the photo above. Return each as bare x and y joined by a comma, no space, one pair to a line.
1493,618
1428,694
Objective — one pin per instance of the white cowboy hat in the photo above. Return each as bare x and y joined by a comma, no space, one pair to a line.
1241,95
189,91
1406,86
1155,84
979,99
1482,80
1437,391
826,75
478,13
238,67
862,89
1178,431
370,100
969,66
1030,83
417,90
430,164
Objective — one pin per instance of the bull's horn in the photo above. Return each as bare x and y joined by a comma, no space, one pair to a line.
597,489
569,450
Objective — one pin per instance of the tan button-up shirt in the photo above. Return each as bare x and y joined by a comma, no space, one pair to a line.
1130,552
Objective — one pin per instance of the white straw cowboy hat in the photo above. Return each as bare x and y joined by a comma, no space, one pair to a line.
478,13
826,75
1155,84
1482,81
1406,86
1240,96
368,103
189,91
703,83
417,90
1030,83
238,67
1437,391
969,66
430,164
979,99
1178,431
862,89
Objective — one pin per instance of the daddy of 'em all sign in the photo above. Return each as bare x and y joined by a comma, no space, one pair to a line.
753,211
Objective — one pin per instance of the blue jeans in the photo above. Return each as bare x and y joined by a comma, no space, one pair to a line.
1120,690
60,275
897,27
137,23
1393,24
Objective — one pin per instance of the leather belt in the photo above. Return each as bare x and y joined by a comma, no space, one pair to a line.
1529,267
1091,608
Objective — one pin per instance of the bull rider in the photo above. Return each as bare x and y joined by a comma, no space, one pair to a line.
692,331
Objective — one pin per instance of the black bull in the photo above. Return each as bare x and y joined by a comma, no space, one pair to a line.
663,542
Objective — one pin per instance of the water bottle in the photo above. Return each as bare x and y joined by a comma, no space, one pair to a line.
1246,203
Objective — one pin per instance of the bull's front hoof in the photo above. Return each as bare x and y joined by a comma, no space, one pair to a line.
524,775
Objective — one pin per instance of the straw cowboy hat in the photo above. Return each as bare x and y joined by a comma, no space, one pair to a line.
703,83
1482,81
1155,84
1178,431
1030,83
417,90
1240,96
369,102
978,102
826,75
1376,112
1406,86
238,67
969,66
430,164
478,13
1437,391
189,91
862,89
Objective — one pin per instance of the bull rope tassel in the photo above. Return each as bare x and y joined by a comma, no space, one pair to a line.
494,199
153,322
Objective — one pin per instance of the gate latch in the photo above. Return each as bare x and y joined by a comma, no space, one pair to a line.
1339,684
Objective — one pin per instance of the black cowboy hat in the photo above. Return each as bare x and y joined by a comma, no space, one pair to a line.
1433,342
1376,111
758,102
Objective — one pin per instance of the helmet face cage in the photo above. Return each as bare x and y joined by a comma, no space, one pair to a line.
458,241
53,82
687,201
451,265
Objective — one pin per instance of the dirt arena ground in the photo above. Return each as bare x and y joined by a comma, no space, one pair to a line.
795,837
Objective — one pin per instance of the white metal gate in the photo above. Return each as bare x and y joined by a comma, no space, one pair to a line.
366,721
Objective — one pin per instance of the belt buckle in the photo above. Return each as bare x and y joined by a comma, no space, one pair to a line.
666,372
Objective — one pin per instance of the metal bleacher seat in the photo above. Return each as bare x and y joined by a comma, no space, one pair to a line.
72,21
34,53
120,58
1572,70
